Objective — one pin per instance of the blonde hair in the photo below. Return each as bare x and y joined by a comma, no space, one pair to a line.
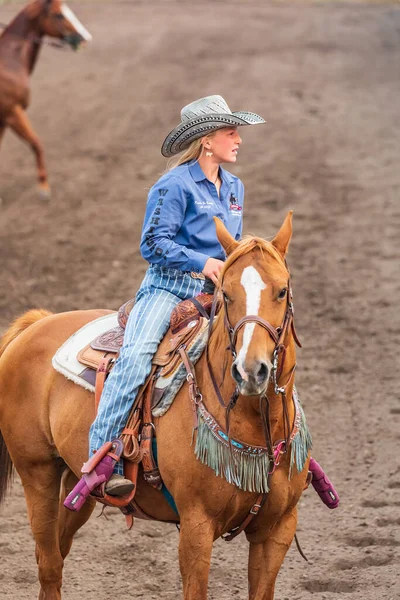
193,152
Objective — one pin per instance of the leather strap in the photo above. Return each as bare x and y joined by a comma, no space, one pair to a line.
255,509
151,472
258,321
199,307
101,374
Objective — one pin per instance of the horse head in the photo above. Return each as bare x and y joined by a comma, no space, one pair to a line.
255,285
56,19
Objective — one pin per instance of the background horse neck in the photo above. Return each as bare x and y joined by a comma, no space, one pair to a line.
21,42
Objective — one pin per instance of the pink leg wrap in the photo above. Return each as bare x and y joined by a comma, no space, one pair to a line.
323,486
100,473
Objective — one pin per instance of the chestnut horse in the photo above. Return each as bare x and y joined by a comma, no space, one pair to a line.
19,49
45,419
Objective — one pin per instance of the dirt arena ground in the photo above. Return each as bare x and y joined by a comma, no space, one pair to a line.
326,79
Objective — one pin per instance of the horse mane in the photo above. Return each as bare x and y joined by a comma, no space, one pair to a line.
246,245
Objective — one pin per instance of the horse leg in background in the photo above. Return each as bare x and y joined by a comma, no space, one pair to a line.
195,547
70,522
41,482
2,130
266,558
20,124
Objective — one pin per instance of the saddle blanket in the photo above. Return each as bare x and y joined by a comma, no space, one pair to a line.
65,362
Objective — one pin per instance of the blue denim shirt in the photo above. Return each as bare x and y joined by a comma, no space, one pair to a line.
178,230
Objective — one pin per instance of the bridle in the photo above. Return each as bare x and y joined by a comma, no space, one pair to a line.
278,335
275,449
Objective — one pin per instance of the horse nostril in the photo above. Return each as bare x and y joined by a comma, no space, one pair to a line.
236,375
263,372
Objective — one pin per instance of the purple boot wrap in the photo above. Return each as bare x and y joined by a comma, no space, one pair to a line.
322,485
96,471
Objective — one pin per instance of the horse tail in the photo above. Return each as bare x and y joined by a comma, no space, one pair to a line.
19,325
6,468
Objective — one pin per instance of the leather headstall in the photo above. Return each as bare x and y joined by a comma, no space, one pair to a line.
278,335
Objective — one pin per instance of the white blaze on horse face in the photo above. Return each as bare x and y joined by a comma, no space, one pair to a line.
253,285
75,22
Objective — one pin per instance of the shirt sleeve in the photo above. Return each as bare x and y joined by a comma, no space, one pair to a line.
238,236
165,213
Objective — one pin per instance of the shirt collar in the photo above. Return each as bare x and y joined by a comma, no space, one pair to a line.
196,171
198,175
226,176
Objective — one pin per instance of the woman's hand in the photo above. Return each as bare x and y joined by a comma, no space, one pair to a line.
212,269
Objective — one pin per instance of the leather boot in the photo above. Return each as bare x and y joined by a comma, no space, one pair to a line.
117,485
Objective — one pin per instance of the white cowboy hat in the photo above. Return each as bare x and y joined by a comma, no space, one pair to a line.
201,117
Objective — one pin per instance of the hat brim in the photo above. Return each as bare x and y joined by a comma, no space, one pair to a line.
188,131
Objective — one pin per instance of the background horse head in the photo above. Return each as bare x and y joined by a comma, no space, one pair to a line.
19,48
55,19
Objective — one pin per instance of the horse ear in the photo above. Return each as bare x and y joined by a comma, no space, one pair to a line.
282,239
228,242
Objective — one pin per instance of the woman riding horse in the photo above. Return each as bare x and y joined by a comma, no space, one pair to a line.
218,487
178,240
19,48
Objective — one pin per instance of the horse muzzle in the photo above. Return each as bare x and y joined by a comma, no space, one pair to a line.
252,381
75,40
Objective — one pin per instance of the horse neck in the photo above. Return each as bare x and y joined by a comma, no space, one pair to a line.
21,41
245,418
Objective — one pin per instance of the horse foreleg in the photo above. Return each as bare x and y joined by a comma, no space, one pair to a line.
20,124
2,130
266,558
41,482
195,546
70,522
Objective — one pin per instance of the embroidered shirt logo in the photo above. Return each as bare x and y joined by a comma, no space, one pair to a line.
234,205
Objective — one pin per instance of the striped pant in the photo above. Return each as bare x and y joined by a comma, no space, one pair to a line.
161,290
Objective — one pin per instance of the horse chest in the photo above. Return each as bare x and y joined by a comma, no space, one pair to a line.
14,89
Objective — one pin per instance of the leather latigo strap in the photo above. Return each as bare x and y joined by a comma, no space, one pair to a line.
151,472
140,424
103,370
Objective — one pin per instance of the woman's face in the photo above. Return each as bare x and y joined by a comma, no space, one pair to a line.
224,144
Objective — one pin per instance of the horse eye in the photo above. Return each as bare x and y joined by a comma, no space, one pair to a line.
282,294
58,16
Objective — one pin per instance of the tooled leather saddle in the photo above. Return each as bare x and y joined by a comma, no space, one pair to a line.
100,355
102,352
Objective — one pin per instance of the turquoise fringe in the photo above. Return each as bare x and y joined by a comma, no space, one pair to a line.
300,446
248,471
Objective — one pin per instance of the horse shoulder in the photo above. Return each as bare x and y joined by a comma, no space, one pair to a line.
14,90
